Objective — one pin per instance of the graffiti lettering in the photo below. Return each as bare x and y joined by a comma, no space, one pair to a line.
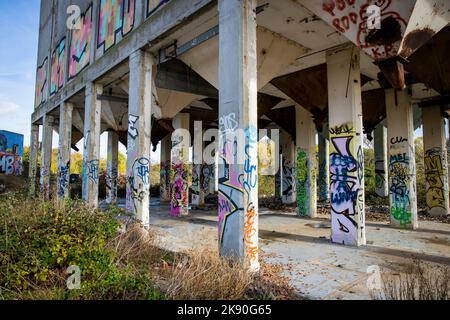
396,140
399,176
116,17
133,132
435,175
41,84
154,5
63,179
79,49
58,67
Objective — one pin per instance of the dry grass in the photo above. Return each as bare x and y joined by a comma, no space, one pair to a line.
417,280
198,274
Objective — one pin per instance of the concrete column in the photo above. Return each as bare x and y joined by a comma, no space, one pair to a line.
65,142
324,169
179,188
238,178
166,147
139,136
112,167
197,191
46,155
34,149
436,169
381,163
287,163
346,146
402,167
91,153
306,164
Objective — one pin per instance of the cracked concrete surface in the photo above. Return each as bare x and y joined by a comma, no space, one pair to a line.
317,268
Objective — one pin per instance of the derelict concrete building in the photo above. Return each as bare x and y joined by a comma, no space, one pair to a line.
140,69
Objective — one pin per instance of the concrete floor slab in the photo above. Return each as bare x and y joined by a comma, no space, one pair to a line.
317,268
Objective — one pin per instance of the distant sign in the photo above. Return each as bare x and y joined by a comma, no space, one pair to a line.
11,153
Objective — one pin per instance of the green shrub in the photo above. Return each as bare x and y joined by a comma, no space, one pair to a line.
40,240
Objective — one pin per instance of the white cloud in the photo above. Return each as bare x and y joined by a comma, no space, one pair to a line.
7,108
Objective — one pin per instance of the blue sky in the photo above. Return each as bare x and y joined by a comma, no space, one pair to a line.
19,25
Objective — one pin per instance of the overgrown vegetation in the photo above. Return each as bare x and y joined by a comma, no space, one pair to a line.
39,241
415,281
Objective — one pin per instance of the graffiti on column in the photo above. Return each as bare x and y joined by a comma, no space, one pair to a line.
116,17
58,67
350,18
249,181
288,181
41,84
133,132
230,189
80,45
11,152
346,187
435,175
63,179
111,184
154,5
179,189
138,183
165,180
302,182
196,184
400,177
93,171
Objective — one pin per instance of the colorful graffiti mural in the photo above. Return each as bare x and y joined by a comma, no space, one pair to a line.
154,5
346,186
400,178
11,153
111,184
436,178
116,18
58,67
41,84
179,191
80,45
207,177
